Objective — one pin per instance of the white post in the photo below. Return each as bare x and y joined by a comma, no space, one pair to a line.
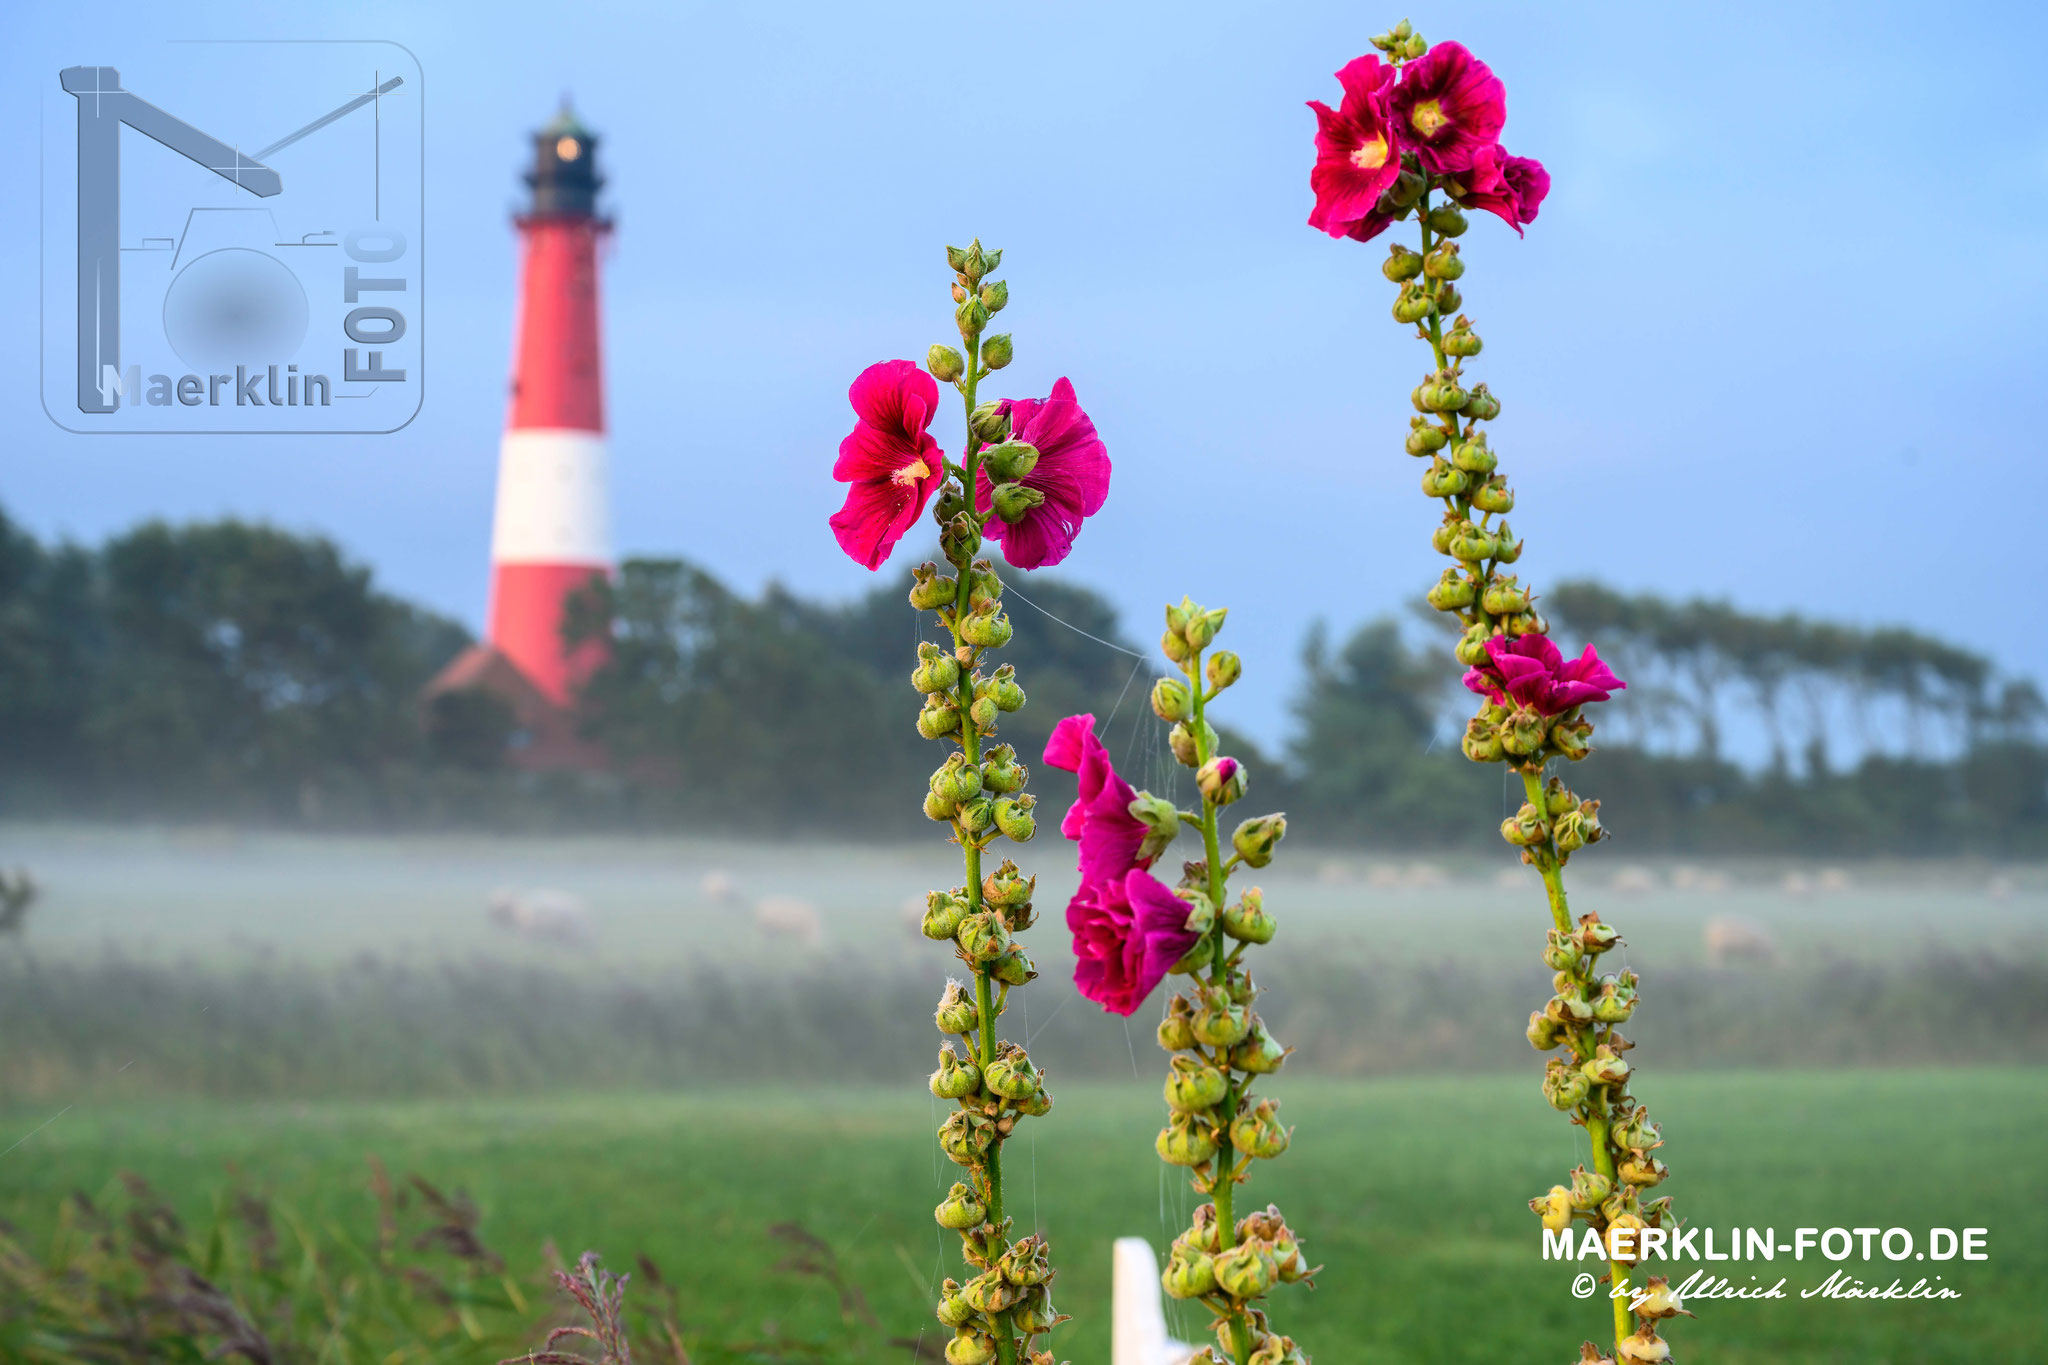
1138,1313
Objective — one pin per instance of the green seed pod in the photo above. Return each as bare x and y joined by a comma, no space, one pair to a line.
1443,263
942,915
1424,437
1443,480
1494,495
1220,1021
1643,1171
1482,406
989,424
1009,461
1473,455
928,590
1442,394
938,718
1413,305
1246,1270
1013,500
1012,968
1572,738
956,779
1617,999
1589,1188
1001,773
1247,920
1452,592
1014,818
1011,1075
987,630
1033,1311
1595,937
1448,299
1471,544
937,807
1190,1272
1560,951
1608,1067
945,363
983,937
1554,1207
1259,1052
935,671
960,1210
1543,1032
1255,839
1447,532
1185,1142
977,815
1564,1086
1037,1104
959,538
1568,1008
1006,887
963,1137
1196,958
1525,732
1202,1233
1176,1031
1401,265
953,1310
957,1012
1002,687
1257,1132
1482,740
1445,219
989,1292
1505,597
1461,341
1192,1086
1638,1133
1171,701
955,1080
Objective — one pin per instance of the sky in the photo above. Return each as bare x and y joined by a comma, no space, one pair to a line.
1785,296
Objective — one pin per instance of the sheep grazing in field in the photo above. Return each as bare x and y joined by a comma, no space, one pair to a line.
787,917
1731,940
542,915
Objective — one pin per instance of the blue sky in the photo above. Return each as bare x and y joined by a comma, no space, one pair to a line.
1777,335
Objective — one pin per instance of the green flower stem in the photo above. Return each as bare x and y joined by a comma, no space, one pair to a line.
1225,1189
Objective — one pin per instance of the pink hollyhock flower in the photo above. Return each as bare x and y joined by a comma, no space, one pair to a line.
1072,472
1127,936
1358,157
1530,671
1128,926
890,460
1511,187
1447,106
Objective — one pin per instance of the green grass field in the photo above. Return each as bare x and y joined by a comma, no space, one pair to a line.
1412,1192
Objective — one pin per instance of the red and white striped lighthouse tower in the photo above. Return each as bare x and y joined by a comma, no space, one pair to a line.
552,533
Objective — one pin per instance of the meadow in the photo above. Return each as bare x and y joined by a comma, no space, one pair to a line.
224,1015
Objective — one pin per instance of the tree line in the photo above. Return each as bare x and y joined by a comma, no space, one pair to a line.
229,670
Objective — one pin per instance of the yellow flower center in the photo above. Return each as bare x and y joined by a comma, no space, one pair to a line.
911,473
1370,156
1428,116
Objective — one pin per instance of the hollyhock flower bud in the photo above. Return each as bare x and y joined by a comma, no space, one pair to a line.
1480,405
945,363
1643,1347
1564,1086
1193,1086
987,630
956,258
982,936
969,1347
1607,1067
1220,1021
1482,739
1494,496
957,1012
1246,1270
963,1137
1254,839
1014,818
1405,192
1543,1032
1175,646
1560,950
1413,46
935,671
1401,264
952,1309
1555,1208
942,915
1204,625
1257,1132
1185,1142
1222,780
1446,221
990,424
1223,669
1425,437
1181,740
1013,500
939,717
1473,455
995,294
960,1210
1010,461
1443,480
1013,968
955,1080
1443,263
1259,1052
1589,1188
1190,1272
1248,920
1414,305
929,590
1505,597
1595,937
1011,1075
1171,701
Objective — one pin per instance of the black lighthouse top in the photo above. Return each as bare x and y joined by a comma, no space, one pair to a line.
564,177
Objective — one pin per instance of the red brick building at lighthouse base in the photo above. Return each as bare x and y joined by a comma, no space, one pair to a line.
551,533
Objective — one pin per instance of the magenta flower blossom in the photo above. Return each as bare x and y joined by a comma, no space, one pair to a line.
1128,926
1510,187
892,462
1530,671
1072,472
1448,106
1358,156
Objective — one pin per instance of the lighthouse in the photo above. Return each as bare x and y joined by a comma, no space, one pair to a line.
513,695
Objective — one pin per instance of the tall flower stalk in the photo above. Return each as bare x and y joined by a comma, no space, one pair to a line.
1131,931
1029,473
1416,139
